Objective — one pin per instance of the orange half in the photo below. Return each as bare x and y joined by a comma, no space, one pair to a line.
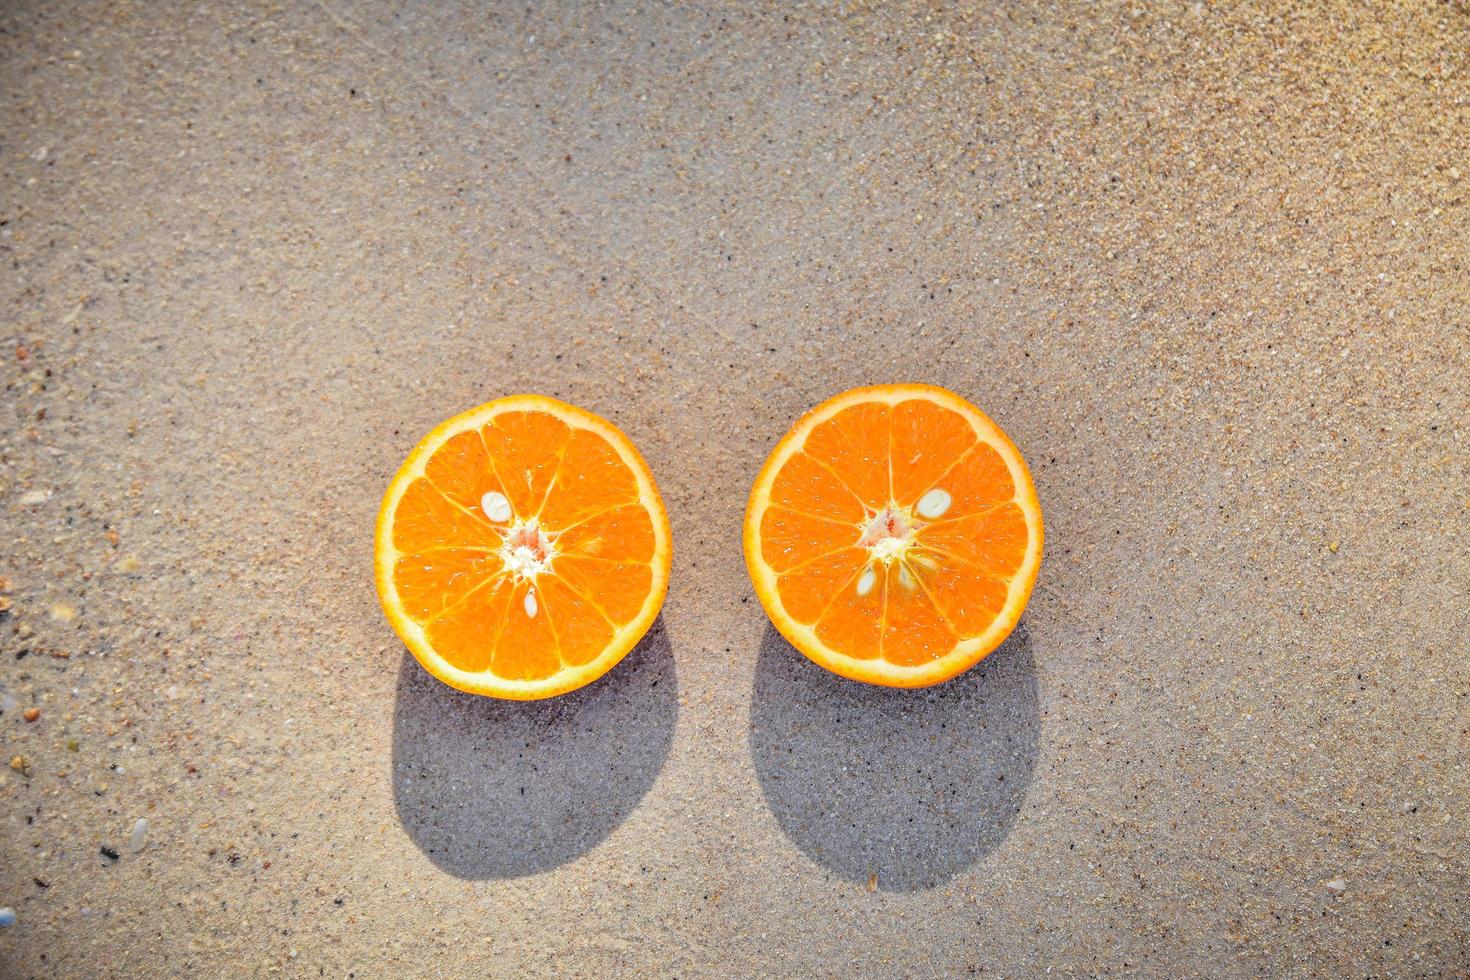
522,549
894,535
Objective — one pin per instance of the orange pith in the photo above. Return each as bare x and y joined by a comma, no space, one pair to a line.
522,549
894,535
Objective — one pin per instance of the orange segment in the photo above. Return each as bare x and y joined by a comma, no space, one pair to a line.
994,541
527,648
852,624
582,632
593,478
522,549
968,598
430,582
432,520
790,538
459,636
853,443
615,588
623,533
526,448
816,489
807,590
894,535
462,471
914,631
980,479
928,439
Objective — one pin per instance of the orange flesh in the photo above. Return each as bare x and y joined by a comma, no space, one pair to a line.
450,576
858,477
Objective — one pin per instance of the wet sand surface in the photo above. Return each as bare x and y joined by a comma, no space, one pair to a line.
1206,263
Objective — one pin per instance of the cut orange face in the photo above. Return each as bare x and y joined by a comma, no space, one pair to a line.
894,535
522,549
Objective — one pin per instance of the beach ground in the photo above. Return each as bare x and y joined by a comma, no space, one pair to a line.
1206,263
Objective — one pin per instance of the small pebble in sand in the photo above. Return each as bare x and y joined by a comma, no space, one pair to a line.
108,852
18,763
4,604
31,714
63,612
7,917
1332,547
129,563
32,497
138,839
1337,886
71,745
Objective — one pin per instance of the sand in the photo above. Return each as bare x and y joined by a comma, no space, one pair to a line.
1206,263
